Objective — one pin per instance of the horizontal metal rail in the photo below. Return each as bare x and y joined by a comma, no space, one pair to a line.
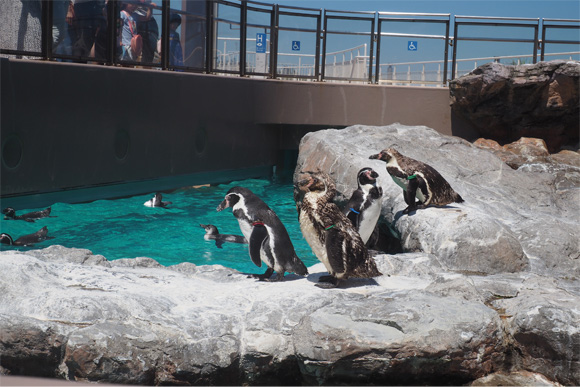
360,63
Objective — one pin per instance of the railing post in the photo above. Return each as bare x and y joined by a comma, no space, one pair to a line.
378,69
209,31
536,27
370,78
46,28
274,40
322,36
455,41
243,36
446,55
165,17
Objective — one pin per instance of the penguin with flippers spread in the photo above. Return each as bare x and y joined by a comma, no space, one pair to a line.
418,180
268,239
330,234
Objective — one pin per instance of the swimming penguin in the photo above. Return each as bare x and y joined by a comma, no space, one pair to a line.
330,233
26,240
156,201
212,233
29,217
364,207
418,180
268,239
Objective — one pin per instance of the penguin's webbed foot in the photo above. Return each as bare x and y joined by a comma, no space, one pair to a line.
279,277
327,282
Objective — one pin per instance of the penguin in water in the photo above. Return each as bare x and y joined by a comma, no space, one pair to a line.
28,217
26,240
156,201
268,239
418,180
212,233
330,234
364,207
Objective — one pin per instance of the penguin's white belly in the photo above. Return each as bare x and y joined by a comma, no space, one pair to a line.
245,228
369,220
404,184
312,239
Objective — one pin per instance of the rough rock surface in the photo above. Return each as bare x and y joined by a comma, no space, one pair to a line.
506,102
509,306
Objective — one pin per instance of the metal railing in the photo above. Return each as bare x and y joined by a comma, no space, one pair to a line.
249,38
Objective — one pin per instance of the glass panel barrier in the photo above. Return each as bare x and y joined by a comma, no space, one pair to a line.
348,46
412,49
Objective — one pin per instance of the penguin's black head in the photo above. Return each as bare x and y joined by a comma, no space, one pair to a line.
367,176
385,155
9,212
210,229
312,182
6,239
157,199
232,197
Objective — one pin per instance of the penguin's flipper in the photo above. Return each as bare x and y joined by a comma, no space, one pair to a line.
354,217
219,243
410,193
259,234
334,240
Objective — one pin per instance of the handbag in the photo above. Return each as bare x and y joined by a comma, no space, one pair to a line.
136,41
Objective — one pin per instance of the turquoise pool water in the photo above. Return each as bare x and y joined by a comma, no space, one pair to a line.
125,228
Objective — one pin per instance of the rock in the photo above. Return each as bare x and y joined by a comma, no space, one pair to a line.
143,324
506,102
515,235
507,222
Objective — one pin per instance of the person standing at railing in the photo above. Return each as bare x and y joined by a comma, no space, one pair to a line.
86,19
175,50
148,29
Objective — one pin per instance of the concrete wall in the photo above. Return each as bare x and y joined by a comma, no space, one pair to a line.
67,127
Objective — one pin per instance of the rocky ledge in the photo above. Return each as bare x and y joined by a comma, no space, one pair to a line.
506,102
485,291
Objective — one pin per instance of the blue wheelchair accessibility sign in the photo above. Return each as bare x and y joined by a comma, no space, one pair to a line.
295,45
412,45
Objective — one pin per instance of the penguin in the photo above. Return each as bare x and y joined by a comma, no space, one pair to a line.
212,233
364,207
267,237
330,234
26,240
418,180
156,201
28,217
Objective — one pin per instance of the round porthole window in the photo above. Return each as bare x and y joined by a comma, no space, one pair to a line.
200,140
12,150
122,142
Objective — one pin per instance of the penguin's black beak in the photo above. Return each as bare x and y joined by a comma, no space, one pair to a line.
373,174
223,205
379,156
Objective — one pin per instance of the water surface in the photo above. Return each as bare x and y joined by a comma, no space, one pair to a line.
125,228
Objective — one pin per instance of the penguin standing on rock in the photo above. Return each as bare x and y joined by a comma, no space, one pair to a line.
268,239
418,180
364,207
330,234
26,240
